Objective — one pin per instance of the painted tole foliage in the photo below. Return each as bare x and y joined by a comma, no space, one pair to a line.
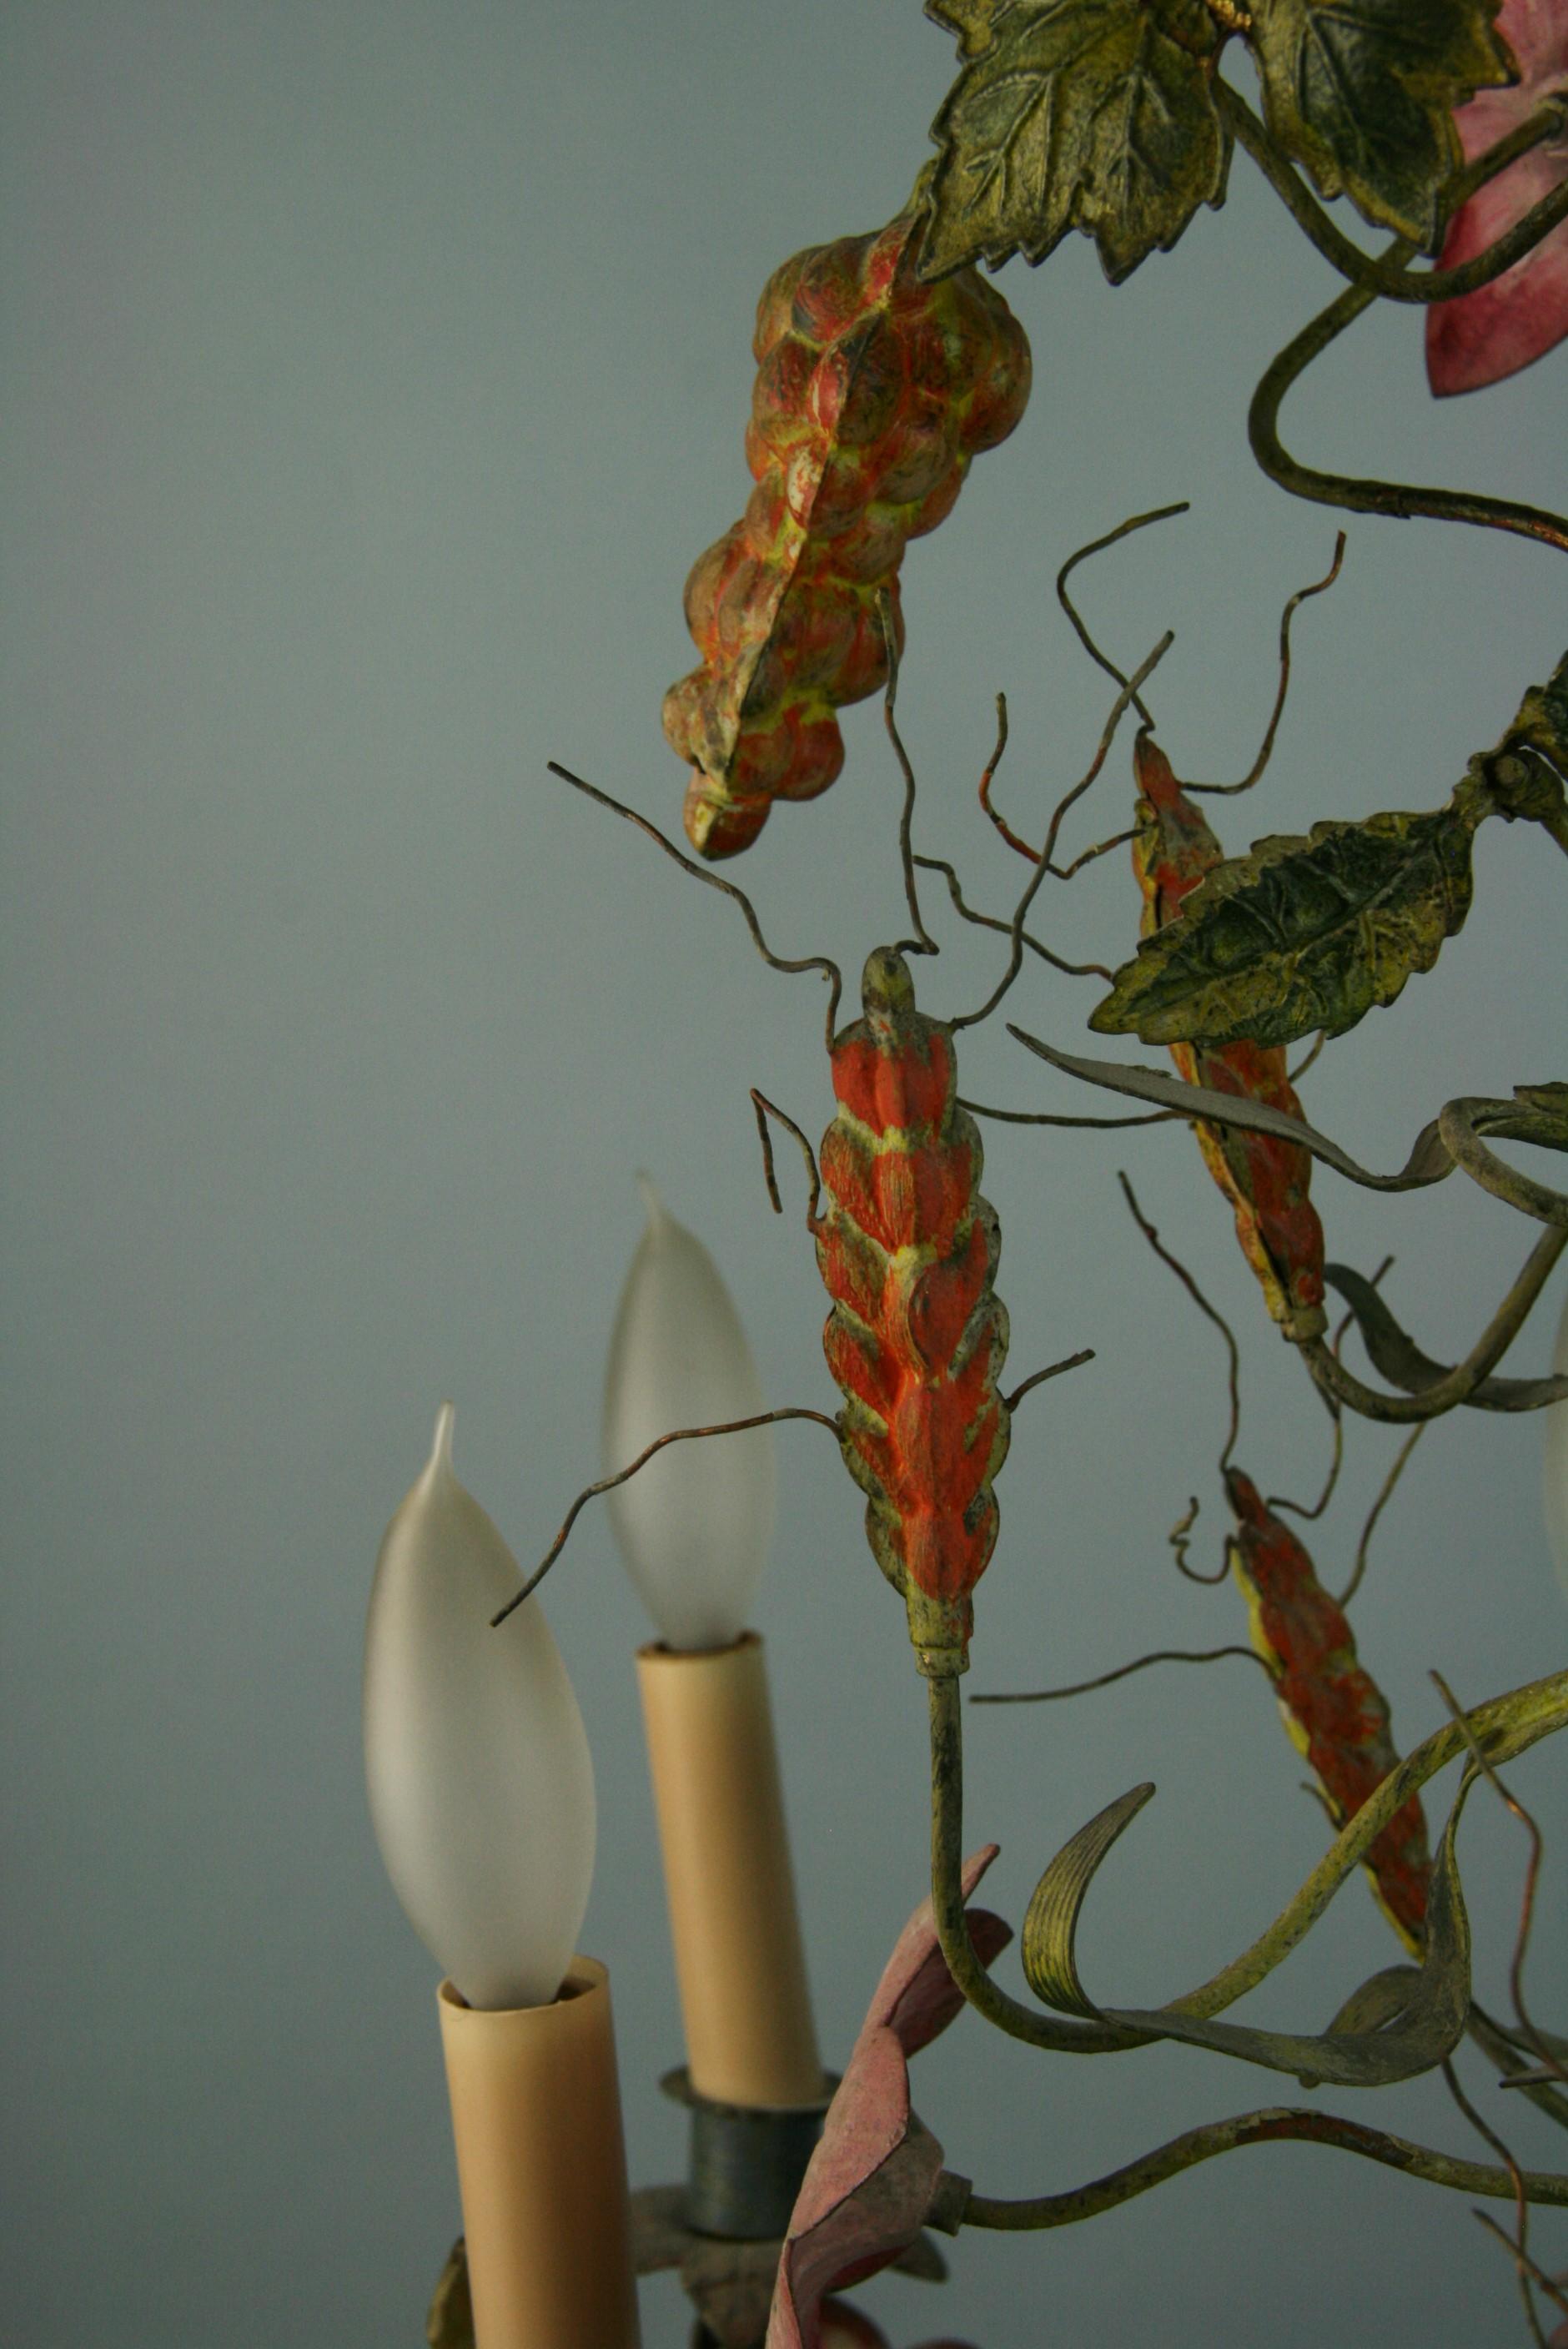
1333,1709
907,1250
873,393
1265,1179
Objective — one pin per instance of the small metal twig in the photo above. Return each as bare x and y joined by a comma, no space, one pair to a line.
1385,1494
1525,2268
1052,1371
1265,748
1179,1540
987,779
1314,1047
1529,2029
1087,856
921,942
763,1110
1380,276
1196,1294
608,1484
1104,1680
1044,1117
1519,2245
1107,734
716,881
994,922
1097,547
1335,1461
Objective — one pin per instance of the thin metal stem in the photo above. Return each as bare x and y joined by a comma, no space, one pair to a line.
1265,748
1377,275
1014,960
765,1109
1095,546
1462,1381
987,779
1051,1371
716,881
1385,1494
1121,1672
994,922
1398,501
1519,2245
1044,1117
608,1484
1180,1541
964,1964
1536,2039
921,942
1271,2125
1196,1294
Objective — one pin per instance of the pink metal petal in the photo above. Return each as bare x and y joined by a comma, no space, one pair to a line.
869,2182
1492,332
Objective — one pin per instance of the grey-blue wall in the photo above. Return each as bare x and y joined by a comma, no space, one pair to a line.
372,376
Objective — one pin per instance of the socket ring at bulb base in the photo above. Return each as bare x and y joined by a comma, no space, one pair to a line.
746,2161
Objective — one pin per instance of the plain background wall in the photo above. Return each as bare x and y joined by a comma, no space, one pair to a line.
373,373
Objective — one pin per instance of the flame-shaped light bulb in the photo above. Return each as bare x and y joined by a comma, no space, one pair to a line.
1555,1493
481,1785
693,1526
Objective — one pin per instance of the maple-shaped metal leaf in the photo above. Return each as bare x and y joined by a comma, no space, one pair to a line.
1363,93
1086,114
1304,933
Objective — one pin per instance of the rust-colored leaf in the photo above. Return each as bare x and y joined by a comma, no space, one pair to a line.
1333,1710
1265,1179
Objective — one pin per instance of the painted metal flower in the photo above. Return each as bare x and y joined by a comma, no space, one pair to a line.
865,2196
1482,337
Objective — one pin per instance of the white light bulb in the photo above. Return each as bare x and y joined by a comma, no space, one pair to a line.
1555,1492
481,1784
693,1526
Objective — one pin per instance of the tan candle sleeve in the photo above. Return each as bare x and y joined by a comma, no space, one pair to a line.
739,1963
542,2165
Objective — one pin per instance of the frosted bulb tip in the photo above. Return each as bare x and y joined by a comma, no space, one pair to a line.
657,1213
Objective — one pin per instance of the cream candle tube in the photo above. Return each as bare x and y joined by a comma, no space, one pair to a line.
739,1963
541,2166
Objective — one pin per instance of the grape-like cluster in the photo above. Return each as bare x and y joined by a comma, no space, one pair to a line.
873,392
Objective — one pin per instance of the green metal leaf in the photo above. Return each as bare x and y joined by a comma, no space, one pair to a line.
1302,934
1362,92
1086,114
1050,1925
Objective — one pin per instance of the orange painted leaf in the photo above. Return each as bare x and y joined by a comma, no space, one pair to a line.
1265,1180
1333,1710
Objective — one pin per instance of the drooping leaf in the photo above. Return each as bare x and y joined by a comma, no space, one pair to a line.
1429,1161
1050,1924
1402,1362
1302,934
1086,114
1362,92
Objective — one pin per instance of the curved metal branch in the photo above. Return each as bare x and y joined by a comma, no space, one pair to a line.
1395,1355
921,942
1462,1384
1398,501
608,1484
1274,2125
1377,275
1020,911
1120,1673
1097,547
1265,748
830,970
994,922
764,1109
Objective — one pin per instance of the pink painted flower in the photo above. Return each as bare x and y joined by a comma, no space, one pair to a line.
1482,337
865,2196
